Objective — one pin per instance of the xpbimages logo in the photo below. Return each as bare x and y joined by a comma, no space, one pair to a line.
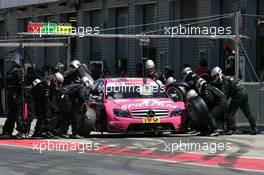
212,147
197,30
64,146
60,28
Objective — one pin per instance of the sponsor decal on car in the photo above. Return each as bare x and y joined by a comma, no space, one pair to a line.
148,103
151,120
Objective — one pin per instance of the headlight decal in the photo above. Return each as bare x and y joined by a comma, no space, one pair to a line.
121,113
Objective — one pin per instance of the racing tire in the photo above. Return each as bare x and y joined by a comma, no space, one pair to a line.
197,109
178,89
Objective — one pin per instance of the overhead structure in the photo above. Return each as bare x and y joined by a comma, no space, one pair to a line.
37,42
32,44
236,38
139,36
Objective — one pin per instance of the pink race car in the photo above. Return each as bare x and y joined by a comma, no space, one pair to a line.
125,105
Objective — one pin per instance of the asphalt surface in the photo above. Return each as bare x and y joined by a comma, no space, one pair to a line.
114,154
17,161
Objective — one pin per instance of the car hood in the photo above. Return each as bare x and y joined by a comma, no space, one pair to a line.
146,103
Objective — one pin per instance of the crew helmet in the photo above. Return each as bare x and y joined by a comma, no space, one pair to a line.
200,83
75,64
186,72
150,66
170,80
216,73
59,77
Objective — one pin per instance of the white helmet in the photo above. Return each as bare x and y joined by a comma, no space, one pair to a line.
75,64
185,72
170,80
36,82
191,93
200,84
216,73
150,66
59,77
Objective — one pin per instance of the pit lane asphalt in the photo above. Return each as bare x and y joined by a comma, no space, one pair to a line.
17,160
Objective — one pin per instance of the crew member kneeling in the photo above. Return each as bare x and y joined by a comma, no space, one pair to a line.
216,102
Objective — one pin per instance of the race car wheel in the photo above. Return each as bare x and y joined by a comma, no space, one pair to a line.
177,90
197,109
175,93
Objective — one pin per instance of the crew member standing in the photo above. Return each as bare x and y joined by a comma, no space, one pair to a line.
233,89
14,83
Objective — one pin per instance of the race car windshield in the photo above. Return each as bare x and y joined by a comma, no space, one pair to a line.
120,92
